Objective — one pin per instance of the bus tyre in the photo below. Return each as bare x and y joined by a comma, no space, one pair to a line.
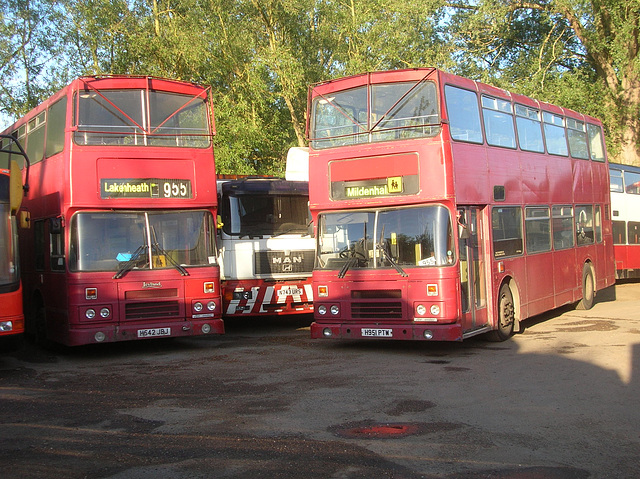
588,288
506,316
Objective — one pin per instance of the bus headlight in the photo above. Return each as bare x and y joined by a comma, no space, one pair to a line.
428,334
90,313
421,310
206,328
335,310
105,313
211,305
435,309
327,333
322,309
6,326
100,336
197,306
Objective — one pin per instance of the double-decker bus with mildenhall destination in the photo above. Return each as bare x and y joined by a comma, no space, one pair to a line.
118,231
447,208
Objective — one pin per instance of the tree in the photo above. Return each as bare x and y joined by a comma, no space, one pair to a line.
29,71
551,47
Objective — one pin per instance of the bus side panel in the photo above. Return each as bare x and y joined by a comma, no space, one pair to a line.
56,302
560,180
540,291
565,276
471,174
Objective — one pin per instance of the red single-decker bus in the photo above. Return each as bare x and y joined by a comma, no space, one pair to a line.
118,231
447,208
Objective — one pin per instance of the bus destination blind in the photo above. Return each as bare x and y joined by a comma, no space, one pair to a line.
145,188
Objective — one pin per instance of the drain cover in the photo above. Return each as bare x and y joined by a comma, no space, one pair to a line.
376,430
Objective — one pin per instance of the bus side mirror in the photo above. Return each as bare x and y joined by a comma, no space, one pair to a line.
463,231
219,223
25,220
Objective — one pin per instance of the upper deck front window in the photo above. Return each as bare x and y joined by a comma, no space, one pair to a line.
376,112
137,117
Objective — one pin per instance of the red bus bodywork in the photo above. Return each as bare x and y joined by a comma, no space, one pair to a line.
479,279
625,204
120,163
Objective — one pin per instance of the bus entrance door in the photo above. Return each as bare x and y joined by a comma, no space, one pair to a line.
473,284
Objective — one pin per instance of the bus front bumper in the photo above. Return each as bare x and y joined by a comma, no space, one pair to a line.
425,332
129,332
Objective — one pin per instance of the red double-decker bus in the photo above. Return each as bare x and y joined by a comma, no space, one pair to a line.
625,205
11,193
118,236
447,208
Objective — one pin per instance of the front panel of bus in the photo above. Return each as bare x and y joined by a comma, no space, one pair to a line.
267,247
386,262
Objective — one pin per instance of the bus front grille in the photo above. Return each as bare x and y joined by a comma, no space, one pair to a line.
376,310
152,310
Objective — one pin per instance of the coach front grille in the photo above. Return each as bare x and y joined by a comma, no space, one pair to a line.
283,262
377,304
152,310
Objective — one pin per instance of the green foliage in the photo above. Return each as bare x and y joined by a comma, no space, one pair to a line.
259,56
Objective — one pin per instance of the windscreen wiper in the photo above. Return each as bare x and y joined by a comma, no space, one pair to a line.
388,256
348,264
392,262
130,263
157,249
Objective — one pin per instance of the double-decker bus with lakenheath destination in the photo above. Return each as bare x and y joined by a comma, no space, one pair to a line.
625,205
266,242
12,190
117,233
447,208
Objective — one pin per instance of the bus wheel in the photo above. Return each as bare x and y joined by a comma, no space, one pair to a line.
506,316
588,288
